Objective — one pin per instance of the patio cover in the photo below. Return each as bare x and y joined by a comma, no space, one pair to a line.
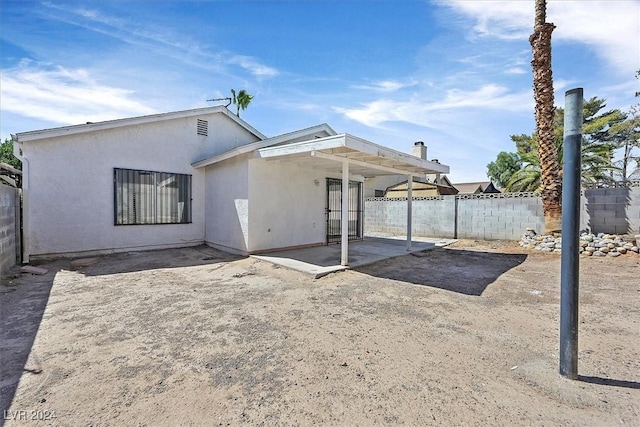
364,158
345,154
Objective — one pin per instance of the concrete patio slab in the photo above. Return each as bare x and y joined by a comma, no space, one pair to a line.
321,260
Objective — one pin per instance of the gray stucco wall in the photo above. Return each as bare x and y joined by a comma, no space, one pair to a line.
9,226
500,216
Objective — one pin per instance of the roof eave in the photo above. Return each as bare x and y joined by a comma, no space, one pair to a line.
131,121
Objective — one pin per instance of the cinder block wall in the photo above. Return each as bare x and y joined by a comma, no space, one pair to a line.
500,216
613,210
431,216
8,224
489,217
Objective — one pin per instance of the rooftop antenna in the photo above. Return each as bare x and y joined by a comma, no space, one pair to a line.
228,99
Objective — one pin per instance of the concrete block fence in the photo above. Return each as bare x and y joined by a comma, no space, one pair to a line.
9,226
500,216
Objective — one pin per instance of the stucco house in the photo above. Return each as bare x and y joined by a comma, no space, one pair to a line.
192,177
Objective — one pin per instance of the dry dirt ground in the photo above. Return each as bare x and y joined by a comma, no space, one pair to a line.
466,335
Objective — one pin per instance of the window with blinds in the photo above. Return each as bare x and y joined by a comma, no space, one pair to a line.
147,197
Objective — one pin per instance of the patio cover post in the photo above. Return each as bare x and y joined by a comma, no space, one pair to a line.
345,214
409,210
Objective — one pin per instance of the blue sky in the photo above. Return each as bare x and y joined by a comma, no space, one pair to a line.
454,74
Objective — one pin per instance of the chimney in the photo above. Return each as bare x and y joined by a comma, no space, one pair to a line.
419,150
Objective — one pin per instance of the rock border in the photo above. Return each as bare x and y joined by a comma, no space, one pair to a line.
598,245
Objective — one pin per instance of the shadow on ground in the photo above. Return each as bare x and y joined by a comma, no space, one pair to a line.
129,262
609,382
24,299
462,271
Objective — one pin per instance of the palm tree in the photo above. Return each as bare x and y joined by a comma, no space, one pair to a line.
551,185
528,177
596,167
241,100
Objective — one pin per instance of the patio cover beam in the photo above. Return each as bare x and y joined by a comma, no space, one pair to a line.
387,169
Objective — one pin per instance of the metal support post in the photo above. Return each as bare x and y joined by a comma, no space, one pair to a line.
345,214
570,264
409,210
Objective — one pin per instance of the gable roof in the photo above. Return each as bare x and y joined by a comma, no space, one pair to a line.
420,184
472,187
314,132
131,121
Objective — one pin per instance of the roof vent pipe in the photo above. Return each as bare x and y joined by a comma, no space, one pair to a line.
419,150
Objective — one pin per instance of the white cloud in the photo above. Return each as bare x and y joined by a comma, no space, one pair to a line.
516,70
502,19
253,66
386,85
431,114
611,28
64,96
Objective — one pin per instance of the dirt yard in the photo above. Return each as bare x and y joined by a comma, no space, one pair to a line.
466,335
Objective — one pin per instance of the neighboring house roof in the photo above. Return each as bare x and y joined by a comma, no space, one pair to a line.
443,180
314,132
421,187
111,124
476,187
365,158
492,189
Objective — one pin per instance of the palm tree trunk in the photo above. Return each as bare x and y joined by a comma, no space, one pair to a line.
551,185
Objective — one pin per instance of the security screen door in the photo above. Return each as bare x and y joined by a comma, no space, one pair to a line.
334,210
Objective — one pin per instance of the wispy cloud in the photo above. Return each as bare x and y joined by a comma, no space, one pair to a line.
65,96
160,40
428,114
386,85
253,66
611,28
516,70
496,18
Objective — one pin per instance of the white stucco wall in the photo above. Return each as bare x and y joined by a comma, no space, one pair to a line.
70,190
227,204
287,207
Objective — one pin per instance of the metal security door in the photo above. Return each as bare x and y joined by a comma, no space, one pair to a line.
334,210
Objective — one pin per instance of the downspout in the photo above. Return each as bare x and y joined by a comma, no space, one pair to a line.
26,223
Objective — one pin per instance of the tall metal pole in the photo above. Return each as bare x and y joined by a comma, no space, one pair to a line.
409,210
570,264
344,215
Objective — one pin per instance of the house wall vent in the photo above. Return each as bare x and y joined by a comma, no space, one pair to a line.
203,127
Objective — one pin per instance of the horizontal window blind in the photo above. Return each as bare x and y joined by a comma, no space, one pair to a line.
147,197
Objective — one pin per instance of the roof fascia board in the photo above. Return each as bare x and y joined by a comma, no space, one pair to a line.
263,144
226,155
378,150
297,134
394,171
327,143
132,121
358,144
